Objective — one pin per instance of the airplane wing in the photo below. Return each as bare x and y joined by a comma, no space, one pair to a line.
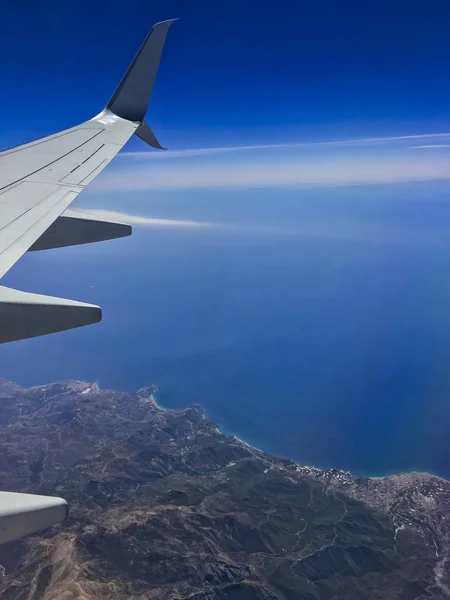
39,181
22,514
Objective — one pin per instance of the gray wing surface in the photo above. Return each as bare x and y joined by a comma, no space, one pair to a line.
39,180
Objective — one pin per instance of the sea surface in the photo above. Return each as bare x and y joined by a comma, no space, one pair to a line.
311,322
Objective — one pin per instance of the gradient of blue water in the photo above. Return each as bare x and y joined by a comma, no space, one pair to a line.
331,348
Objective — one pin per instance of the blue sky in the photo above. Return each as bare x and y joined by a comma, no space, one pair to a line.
238,72
269,84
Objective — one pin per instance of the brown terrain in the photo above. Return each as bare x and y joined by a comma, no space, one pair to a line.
164,506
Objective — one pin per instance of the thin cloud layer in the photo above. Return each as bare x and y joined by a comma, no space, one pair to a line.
432,146
188,152
257,174
367,161
354,230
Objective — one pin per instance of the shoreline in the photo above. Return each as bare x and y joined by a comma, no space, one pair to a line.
300,465
152,396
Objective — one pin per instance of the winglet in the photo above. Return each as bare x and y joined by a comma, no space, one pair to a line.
132,96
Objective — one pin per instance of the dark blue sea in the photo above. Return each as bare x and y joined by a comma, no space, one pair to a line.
311,322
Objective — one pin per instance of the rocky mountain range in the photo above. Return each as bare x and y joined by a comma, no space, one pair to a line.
164,506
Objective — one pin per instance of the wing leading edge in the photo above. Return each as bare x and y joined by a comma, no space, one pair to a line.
39,181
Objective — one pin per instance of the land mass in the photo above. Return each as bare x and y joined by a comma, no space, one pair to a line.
164,506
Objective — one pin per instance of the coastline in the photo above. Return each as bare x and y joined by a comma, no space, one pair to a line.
86,385
255,446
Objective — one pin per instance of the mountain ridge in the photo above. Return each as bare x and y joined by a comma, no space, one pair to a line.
165,506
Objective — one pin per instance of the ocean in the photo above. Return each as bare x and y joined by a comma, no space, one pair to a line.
313,323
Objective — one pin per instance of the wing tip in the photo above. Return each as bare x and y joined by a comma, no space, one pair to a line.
167,22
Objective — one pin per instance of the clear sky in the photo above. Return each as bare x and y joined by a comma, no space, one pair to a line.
234,72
